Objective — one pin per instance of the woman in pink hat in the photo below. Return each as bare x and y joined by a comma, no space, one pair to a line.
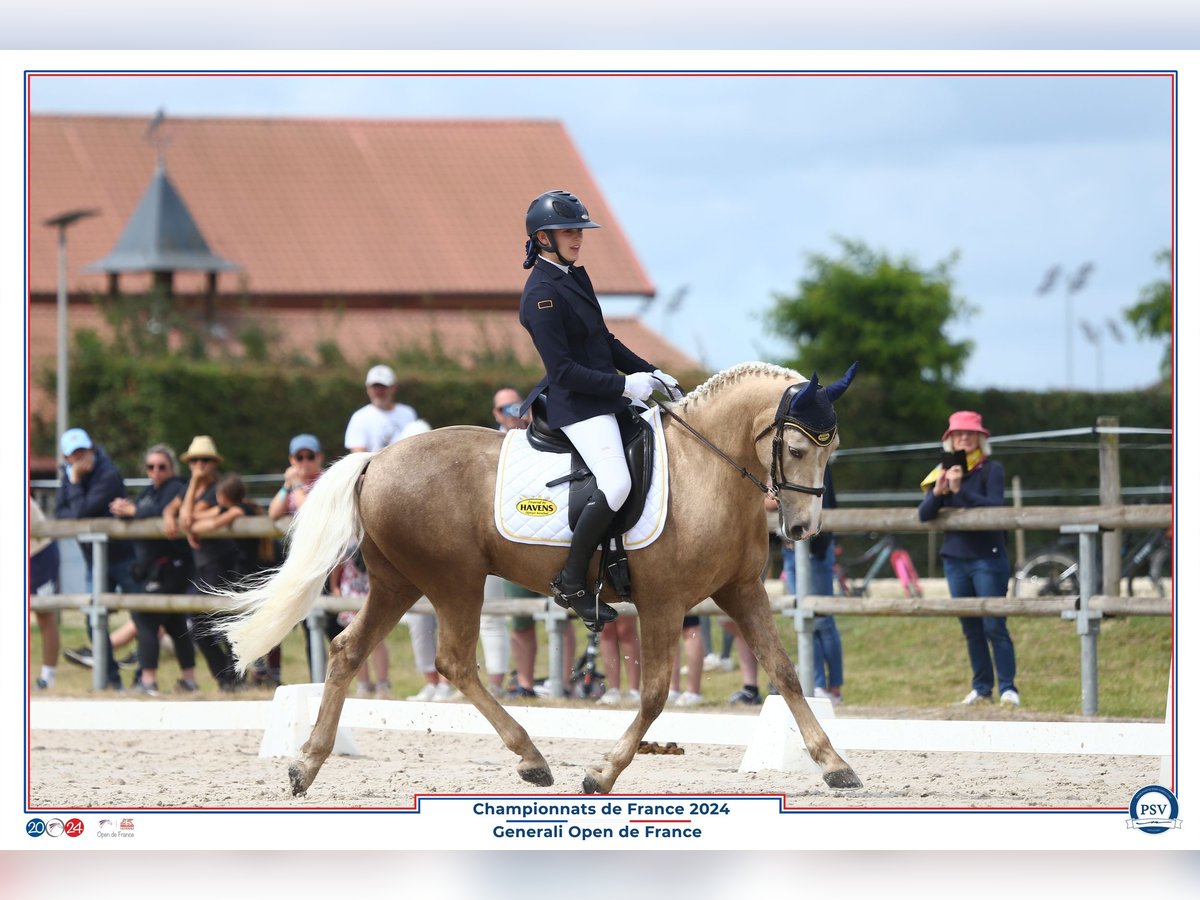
975,562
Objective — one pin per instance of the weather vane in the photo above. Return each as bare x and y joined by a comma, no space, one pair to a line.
156,137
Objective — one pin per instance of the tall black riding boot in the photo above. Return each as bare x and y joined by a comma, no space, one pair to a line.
570,587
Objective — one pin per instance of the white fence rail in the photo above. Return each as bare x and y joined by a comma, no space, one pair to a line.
1086,610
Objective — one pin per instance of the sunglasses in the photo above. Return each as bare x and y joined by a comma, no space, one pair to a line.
201,460
154,467
510,409
305,456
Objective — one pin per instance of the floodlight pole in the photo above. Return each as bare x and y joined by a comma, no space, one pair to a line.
62,223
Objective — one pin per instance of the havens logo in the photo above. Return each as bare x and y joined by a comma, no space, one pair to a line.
536,506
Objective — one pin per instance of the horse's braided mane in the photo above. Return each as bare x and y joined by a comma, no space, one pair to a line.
736,373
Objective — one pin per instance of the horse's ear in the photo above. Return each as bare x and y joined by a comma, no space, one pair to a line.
805,397
838,388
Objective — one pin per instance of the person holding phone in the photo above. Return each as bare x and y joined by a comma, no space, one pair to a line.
975,562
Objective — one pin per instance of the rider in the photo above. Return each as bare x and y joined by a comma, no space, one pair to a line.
584,386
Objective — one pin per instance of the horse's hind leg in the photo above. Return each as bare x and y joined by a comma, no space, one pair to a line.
389,597
659,633
747,604
458,632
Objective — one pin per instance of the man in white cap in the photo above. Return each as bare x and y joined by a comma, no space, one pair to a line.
381,421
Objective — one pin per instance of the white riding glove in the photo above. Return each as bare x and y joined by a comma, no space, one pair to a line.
639,385
670,385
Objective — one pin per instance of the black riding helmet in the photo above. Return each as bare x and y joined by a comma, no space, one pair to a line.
550,212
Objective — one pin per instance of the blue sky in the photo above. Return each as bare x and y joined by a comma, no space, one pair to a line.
725,184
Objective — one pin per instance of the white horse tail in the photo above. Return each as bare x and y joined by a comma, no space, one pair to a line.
320,537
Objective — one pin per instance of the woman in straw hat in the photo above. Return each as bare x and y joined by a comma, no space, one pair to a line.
216,559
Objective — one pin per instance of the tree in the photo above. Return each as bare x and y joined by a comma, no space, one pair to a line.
1152,315
891,316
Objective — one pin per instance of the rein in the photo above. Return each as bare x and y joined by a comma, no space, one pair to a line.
721,453
782,421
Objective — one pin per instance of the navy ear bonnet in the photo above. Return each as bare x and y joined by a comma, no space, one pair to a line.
810,406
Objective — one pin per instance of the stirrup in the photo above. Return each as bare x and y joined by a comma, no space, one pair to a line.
595,614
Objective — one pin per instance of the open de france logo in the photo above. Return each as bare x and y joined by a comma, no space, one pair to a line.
1154,810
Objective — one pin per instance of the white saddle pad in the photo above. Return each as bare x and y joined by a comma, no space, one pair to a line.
528,512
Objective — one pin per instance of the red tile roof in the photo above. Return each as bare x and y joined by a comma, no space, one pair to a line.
316,208
412,227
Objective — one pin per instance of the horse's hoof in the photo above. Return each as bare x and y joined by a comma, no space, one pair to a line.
590,785
299,787
540,776
843,778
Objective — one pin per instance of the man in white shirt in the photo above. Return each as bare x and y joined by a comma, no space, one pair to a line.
381,421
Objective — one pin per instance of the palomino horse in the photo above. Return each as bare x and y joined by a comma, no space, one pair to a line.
424,510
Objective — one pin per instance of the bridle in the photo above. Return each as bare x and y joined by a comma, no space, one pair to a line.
783,419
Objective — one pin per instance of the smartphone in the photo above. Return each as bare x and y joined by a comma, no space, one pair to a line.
955,458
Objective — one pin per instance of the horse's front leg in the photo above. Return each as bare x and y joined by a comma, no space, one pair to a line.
749,607
346,654
659,634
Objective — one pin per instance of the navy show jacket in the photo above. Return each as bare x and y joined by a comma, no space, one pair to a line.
582,357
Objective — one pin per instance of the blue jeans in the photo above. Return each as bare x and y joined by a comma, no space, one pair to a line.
120,576
984,578
827,641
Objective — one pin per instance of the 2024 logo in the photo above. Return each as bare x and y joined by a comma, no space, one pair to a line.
54,827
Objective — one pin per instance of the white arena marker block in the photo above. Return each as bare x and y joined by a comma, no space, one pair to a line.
1165,771
289,723
775,741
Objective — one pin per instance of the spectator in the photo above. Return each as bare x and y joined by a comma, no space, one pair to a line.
522,636
216,559
350,580
90,482
619,641
748,694
123,634
380,422
975,562
827,641
166,567
43,575
305,464
693,647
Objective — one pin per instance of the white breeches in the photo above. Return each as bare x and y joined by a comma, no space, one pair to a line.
598,441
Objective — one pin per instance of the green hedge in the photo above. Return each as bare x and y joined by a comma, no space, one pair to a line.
129,398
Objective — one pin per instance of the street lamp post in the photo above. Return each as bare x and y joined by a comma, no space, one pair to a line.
1074,284
62,222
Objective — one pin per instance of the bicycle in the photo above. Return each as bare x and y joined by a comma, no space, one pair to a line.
1055,572
882,551
586,679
